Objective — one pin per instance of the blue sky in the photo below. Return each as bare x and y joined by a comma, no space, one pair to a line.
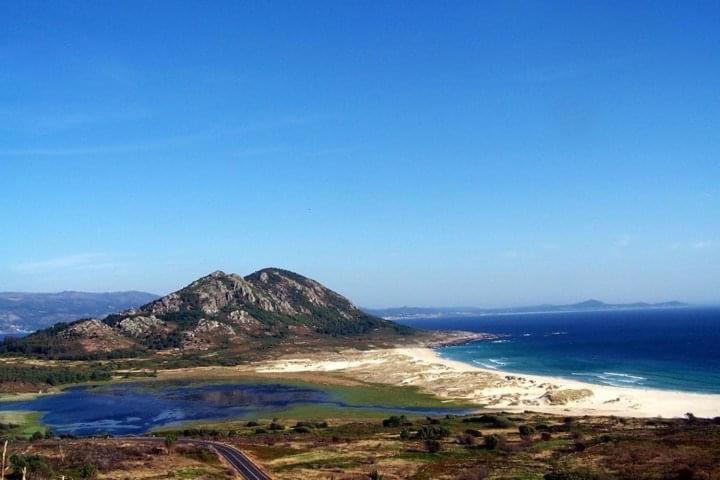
419,153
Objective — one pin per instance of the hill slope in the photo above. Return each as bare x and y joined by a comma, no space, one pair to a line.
26,312
218,311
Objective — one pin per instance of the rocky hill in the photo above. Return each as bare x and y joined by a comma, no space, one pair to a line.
218,311
26,312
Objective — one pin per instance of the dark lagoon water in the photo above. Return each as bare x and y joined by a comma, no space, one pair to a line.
674,349
136,408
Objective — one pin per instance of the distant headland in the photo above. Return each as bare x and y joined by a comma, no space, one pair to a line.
396,313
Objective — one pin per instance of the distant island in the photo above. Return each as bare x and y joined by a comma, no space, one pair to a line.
398,313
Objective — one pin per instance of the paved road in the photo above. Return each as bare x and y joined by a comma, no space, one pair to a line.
239,461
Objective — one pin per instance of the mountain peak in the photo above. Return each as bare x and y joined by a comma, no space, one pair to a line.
224,310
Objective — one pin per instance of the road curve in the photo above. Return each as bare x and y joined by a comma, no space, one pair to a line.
240,462
237,459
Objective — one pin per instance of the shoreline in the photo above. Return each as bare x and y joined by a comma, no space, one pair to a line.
677,401
425,368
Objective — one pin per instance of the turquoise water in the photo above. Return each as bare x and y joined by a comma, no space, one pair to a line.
126,409
674,349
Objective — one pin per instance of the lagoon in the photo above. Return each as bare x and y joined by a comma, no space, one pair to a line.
136,408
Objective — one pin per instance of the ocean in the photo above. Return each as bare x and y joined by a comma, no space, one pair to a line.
671,349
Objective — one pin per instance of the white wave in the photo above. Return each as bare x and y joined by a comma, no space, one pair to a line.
527,334
486,365
624,375
500,341
613,379
558,333
497,362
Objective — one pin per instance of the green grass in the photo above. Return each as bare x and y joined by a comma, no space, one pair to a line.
191,473
26,423
552,444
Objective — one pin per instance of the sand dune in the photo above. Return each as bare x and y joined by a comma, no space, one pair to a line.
424,368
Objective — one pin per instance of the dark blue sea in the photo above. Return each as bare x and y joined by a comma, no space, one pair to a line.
673,349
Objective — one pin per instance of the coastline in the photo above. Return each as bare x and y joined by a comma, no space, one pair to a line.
425,368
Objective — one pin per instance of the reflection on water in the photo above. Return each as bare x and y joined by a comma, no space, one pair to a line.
134,408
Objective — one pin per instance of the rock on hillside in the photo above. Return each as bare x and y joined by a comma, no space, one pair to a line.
218,311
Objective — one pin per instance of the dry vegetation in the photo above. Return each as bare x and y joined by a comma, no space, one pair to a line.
493,446
112,459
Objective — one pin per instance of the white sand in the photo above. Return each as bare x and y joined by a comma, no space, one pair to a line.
424,368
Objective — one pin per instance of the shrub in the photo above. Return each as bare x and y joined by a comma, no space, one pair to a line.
374,475
466,439
252,424
260,431
498,421
473,432
432,446
276,426
492,442
34,463
545,436
405,434
526,430
302,429
88,471
394,421
432,432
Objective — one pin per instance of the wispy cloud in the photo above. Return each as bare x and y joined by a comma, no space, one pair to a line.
623,240
702,244
166,142
80,261
569,71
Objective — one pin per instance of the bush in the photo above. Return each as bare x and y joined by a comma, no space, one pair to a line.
252,424
374,475
498,421
526,430
545,436
302,429
276,426
432,432
492,442
473,432
394,421
260,431
405,434
34,463
432,446
88,471
466,439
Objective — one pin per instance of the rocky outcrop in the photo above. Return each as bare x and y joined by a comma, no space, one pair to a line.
140,325
226,310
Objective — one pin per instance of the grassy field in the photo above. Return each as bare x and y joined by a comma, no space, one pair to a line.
14,424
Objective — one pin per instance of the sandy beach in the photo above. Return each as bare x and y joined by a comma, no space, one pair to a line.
424,368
